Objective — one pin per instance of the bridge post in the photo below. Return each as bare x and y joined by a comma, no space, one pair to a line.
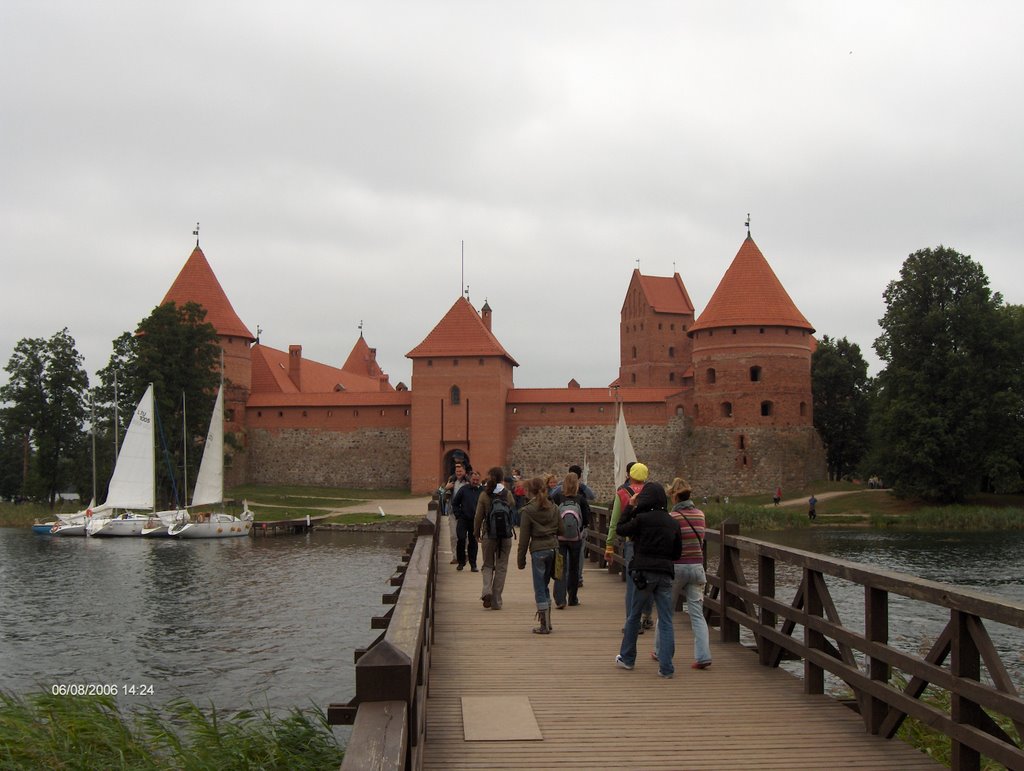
876,629
965,662
767,618
814,675
728,570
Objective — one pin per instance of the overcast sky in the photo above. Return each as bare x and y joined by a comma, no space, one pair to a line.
336,154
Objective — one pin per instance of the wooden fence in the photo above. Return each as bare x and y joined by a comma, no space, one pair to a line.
387,712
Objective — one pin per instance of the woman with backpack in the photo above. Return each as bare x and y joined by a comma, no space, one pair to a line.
492,527
574,513
539,528
689,568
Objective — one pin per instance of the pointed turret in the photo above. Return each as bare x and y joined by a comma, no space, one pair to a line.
460,333
197,283
750,294
362,361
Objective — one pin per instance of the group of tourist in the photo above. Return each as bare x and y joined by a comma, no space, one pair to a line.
662,547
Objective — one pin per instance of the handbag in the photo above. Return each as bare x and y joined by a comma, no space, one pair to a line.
559,566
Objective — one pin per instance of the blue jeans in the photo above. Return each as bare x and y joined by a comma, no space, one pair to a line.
658,589
628,547
543,566
568,583
691,579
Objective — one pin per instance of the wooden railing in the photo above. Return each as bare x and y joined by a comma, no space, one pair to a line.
864,659
387,714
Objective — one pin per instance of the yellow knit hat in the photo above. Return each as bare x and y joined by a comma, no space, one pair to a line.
639,472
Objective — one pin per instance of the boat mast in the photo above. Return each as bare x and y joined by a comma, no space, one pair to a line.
184,453
92,420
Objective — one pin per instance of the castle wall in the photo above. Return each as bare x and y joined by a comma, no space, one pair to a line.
362,458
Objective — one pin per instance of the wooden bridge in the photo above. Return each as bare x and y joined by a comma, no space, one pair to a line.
451,685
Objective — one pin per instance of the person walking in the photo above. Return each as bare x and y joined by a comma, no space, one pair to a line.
539,528
464,510
574,514
492,527
778,496
812,508
689,568
658,543
636,475
455,481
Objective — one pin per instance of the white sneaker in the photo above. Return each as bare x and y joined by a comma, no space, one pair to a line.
622,664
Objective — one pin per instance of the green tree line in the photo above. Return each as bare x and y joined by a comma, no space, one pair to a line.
943,418
50,419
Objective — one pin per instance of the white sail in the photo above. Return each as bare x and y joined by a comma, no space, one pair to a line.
210,482
132,485
622,449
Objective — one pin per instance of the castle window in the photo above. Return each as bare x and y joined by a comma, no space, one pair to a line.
634,353
726,409
711,377
572,409
711,333
641,326
455,395
766,409
633,377
803,409
755,374
787,331
659,325
259,413
407,412
672,327
382,413
671,377
280,414
455,362
515,410
304,414
741,442
480,361
680,411
671,352
600,409
430,362
330,413
761,330
734,330
355,413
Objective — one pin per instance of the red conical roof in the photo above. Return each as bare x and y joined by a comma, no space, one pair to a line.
197,283
750,294
362,361
460,333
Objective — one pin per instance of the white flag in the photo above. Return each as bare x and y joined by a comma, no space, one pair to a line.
623,449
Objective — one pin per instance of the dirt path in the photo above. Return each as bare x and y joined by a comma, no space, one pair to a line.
825,496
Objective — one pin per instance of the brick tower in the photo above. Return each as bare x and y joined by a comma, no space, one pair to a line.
654,347
197,283
461,376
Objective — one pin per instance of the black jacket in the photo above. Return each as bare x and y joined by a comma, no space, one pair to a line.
658,540
464,502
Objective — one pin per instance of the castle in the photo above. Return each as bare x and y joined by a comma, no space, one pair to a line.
723,398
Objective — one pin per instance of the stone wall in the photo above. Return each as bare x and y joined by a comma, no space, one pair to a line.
369,458
711,459
540,449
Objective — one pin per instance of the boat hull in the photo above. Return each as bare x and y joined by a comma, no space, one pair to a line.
62,529
213,526
125,526
44,528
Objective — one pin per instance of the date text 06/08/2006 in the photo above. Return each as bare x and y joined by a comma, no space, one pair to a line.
102,689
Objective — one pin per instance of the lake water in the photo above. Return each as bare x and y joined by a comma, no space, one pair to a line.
274,621
988,562
269,622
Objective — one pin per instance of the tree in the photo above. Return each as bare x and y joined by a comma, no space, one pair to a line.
840,383
46,411
943,393
177,351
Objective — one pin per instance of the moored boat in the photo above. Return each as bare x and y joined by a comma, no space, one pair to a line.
209,490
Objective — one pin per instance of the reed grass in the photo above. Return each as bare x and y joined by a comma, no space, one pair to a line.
40,730
754,517
953,517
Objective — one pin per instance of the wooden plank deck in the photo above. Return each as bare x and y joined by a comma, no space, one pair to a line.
735,715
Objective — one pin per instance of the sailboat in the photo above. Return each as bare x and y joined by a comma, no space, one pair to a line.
209,490
133,483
